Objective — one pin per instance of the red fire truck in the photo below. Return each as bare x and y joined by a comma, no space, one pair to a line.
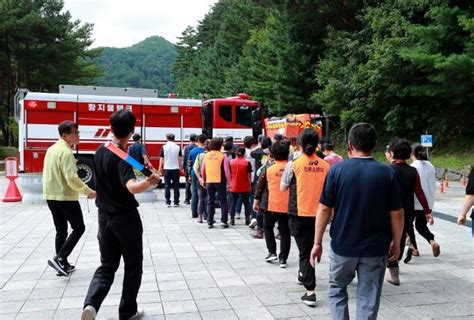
40,113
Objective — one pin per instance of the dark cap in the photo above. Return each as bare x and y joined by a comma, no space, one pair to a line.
193,137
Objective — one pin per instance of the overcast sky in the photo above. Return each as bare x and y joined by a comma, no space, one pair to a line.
122,23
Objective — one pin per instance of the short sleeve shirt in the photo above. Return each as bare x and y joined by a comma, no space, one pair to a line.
111,175
137,151
362,192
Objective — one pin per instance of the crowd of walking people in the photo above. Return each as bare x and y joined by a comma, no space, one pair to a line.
373,208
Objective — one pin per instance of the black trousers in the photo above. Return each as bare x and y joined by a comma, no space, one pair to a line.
172,181
421,225
64,212
269,219
407,230
302,228
220,189
118,238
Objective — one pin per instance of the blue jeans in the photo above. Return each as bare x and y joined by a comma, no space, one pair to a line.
370,274
194,194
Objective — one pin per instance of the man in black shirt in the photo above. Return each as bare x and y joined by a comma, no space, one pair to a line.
120,227
366,227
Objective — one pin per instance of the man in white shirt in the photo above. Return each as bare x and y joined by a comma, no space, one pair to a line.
170,164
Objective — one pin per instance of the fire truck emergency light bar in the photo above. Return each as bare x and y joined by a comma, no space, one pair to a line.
123,155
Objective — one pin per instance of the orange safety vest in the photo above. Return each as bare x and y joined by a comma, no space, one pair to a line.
309,173
213,166
277,200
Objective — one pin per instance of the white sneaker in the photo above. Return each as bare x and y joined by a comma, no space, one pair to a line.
138,315
89,313
253,223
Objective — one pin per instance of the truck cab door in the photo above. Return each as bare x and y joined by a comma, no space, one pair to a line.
207,119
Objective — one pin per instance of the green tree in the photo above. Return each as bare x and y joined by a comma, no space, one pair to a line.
40,47
406,69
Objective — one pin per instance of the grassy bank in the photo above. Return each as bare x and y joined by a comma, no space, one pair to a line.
443,159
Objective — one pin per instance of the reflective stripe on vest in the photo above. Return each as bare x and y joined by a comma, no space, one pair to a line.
309,173
277,200
213,166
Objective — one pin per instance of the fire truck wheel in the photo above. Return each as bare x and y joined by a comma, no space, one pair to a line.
85,171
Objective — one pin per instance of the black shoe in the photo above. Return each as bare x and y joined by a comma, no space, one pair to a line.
194,215
58,265
210,226
247,221
224,225
409,255
187,202
69,267
282,263
232,221
300,278
309,300
271,257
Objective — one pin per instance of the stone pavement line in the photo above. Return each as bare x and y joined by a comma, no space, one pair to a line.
191,272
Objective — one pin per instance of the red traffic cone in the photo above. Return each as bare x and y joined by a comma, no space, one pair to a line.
12,194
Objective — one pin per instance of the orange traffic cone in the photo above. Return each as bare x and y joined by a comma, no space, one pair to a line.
441,187
12,194
446,182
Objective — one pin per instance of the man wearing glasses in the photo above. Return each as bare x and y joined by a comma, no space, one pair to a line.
61,188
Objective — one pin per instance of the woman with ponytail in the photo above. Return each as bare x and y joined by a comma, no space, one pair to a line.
304,176
427,174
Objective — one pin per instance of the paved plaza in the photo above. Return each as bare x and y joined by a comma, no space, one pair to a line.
192,272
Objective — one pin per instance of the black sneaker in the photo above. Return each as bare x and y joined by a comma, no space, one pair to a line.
210,226
194,215
58,265
168,205
271,257
300,278
224,225
309,300
409,255
187,202
69,267
232,221
282,263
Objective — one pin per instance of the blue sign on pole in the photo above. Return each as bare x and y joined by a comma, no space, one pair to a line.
427,140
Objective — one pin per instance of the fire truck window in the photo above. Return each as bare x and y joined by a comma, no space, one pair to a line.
243,115
225,112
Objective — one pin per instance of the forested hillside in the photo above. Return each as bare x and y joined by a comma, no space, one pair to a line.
406,66
146,64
